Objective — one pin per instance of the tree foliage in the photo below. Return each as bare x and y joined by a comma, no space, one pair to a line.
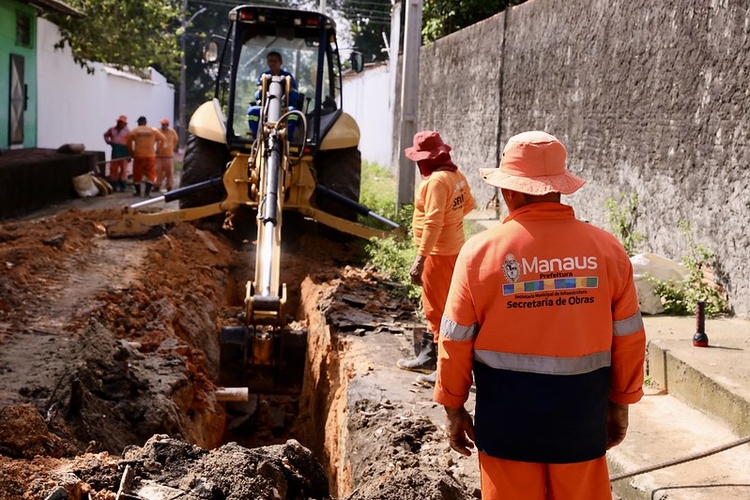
132,34
443,17
369,20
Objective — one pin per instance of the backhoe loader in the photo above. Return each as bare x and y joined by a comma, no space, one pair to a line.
315,172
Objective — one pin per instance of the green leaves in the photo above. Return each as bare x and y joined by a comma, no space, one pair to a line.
132,35
443,17
682,297
622,216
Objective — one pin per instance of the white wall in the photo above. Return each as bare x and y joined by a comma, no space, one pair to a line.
366,98
77,107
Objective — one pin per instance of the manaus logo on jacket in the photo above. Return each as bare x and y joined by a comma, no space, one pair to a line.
513,270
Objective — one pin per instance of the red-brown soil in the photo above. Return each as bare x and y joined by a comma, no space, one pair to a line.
109,358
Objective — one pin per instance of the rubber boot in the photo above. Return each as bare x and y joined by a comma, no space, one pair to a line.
426,360
136,189
147,194
427,379
123,186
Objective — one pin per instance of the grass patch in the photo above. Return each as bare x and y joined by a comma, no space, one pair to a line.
391,256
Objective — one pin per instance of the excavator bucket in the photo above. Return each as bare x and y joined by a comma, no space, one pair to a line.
264,361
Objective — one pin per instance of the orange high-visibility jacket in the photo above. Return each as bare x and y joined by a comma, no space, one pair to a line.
438,223
169,146
142,141
544,311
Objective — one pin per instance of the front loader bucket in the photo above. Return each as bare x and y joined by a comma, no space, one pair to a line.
264,361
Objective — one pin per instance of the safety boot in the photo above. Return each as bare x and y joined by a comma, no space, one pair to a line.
136,189
147,194
427,379
426,359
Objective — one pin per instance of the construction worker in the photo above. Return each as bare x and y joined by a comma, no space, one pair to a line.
165,156
543,312
118,166
142,143
274,62
444,199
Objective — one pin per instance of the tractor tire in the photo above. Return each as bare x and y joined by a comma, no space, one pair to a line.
340,170
204,159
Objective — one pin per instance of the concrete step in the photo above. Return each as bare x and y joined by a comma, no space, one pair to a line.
714,379
698,399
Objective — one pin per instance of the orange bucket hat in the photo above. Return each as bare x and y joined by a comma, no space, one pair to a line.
533,163
428,145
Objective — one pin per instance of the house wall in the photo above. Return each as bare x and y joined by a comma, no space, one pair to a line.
8,46
77,107
367,99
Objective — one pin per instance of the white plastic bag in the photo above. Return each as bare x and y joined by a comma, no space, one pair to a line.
659,267
84,186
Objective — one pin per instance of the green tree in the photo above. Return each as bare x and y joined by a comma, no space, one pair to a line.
132,34
369,20
443,17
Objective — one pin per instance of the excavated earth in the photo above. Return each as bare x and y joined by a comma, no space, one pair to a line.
109,362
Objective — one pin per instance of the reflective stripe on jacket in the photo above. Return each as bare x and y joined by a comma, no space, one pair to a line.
544,311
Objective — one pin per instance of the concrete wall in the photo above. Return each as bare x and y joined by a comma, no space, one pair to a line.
648,97
366,98
77,107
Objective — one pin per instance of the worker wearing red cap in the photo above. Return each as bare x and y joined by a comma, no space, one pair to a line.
118,166
543,315
444,199
165,156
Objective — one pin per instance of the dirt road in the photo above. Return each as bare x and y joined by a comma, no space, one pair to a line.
109,361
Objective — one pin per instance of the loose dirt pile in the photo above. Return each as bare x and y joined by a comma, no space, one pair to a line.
109,358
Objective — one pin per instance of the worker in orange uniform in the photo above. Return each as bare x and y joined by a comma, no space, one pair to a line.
165,156
142,143
543,312
444,199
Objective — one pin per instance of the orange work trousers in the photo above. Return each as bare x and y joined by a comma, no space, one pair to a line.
118,170
436,281
511,480
165,170
144,165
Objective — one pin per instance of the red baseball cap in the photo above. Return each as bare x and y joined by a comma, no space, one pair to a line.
123,119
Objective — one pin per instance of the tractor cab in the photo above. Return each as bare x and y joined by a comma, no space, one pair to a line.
306,44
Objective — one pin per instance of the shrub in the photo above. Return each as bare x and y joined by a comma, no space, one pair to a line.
391,256
621,216
682,297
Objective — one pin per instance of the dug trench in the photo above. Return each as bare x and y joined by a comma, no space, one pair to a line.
109,365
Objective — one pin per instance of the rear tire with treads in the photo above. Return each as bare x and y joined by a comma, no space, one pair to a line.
204,159
340,170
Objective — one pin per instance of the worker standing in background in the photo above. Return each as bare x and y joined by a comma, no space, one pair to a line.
444,199
543,313
142,142
118,166
165,156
